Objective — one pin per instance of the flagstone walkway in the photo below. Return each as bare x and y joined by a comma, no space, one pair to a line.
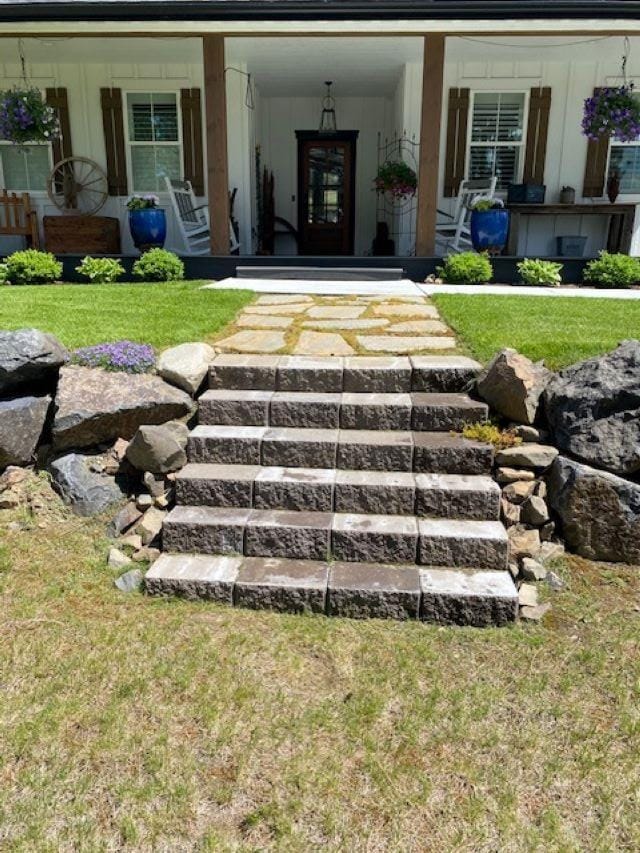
333,325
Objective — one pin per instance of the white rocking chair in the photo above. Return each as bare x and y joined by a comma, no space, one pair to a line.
193,219
455,232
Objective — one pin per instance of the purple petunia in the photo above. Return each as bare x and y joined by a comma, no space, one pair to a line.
25,117
125,356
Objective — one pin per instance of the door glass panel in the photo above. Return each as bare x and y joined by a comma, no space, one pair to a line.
325,200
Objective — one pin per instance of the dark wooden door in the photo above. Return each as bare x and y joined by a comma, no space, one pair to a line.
326,192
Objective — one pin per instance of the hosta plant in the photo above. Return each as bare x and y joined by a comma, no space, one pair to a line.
540,273
158,265
29,266
100,270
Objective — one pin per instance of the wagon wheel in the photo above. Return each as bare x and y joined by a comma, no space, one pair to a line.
78,185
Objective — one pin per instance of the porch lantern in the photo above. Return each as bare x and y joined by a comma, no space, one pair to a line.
328,118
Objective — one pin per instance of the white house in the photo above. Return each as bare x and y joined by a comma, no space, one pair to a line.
217,91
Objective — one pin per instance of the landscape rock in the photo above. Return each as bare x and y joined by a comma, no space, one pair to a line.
534,614
593,410
131,540
535,511
555,581
512,475
519,491
159,449
150,525
130,581
547,530
146,555
510,513
143,502
550,551
512,385
125,519
600,512
87,491
186,365
528,595
29,357
117,559
96,406
535,456
22,420
532,570
526,432
522,542
155,485
12,477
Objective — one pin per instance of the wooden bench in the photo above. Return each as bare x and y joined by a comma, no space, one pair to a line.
18,218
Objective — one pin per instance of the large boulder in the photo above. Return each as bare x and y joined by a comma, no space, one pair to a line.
86,490
600,512
512,384
28,356
95,406
186,365
159,449
593,410
22,420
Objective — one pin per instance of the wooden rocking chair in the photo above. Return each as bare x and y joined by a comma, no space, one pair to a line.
18,218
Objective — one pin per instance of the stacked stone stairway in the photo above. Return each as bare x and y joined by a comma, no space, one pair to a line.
340,486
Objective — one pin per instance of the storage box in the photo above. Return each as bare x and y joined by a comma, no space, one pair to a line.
571,247
526,194
79,235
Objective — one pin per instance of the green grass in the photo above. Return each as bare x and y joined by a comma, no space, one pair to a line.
158,314
128,723
560,330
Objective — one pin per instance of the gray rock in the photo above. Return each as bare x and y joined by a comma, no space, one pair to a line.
512,475
29,356
22,420
536,456
159,448
117,559
510,513
532,570
528,595
526,432
593,410
512,385
600,512
534,614
88,492
186,365
125,519
550,551
150,525
523,543
535,512
95,406
130,581
518,492
555,581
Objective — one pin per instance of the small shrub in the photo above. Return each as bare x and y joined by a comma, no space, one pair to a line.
491,434
4,274
100,270
612,270
159,265
32,267
124,356
540,273
466,268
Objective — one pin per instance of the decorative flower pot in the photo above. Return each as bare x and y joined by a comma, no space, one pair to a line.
489,230
148,228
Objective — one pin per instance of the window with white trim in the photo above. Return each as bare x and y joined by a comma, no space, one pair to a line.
624,161
24,168
154,138
496,137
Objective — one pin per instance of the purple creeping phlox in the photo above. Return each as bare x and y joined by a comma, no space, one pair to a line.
125,356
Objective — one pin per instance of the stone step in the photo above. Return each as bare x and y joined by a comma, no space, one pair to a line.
371,450
298,273
330,375
307,409
357,590
344,491
350,537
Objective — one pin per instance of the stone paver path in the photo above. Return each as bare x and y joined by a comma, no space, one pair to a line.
335,325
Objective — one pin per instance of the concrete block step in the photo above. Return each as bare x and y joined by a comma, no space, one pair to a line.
350,537
363,450
333,374
344,491
357,590
303,273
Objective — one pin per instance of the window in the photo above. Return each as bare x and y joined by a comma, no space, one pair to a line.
154,140
496,139
624,160
24,168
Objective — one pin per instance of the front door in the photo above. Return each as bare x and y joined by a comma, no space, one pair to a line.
326,192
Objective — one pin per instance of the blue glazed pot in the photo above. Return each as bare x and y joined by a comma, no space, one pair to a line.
489,230
148,228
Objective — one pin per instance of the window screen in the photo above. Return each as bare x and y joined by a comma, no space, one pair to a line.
154,140
497,135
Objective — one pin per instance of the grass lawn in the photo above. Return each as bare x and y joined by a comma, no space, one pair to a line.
158,314
128,723
560,330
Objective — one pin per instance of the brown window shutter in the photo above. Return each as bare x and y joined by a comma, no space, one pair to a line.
192,159
456,151
537,130
596,166
112,122
61,147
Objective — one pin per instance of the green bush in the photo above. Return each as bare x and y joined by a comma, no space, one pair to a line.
32,267
4,274
612,271
159,265
466,268
491,434
100,270
540,273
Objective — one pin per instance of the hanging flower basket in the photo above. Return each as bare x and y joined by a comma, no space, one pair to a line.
396,178
25,117
612,112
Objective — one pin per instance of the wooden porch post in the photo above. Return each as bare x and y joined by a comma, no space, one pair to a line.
216,130
430,122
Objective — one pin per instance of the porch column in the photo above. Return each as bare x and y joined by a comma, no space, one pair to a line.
216,129
428,166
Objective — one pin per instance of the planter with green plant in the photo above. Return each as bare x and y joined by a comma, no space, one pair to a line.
398,179
489,224
147,222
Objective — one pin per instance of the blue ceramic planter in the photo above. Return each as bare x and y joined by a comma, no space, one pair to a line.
148,228
489,230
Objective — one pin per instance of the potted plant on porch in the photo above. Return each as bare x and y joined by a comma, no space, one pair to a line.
147,222
489,224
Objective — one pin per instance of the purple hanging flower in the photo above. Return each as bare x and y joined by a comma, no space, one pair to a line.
612,112
25,117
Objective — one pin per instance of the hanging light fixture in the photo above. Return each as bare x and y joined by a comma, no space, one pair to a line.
328,117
